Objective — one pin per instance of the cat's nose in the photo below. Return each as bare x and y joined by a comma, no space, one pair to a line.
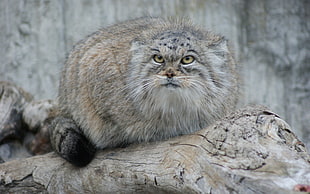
170,72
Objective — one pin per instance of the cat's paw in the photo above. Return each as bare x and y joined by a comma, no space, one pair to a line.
70,143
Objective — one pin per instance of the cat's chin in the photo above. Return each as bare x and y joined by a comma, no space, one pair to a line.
173,97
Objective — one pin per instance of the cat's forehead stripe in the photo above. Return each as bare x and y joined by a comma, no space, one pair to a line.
174,40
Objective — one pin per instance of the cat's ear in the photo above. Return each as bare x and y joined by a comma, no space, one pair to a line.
137,45
220,46
217,52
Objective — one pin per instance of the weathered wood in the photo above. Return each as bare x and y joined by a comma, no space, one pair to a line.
12,102
37,115
250,151
23,123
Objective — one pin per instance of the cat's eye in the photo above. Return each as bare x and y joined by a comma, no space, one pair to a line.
187,59
158,59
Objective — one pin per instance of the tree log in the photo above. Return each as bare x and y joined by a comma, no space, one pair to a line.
12,102
250,151
23,123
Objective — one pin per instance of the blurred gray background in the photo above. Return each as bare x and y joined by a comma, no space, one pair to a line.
271,40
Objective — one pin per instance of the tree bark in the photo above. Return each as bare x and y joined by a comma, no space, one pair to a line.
250,151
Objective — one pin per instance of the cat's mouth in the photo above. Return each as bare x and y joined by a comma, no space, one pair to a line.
171,85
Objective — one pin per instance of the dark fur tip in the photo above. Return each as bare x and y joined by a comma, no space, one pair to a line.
77,150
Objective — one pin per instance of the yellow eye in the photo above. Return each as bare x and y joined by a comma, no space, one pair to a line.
158,59
187,59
